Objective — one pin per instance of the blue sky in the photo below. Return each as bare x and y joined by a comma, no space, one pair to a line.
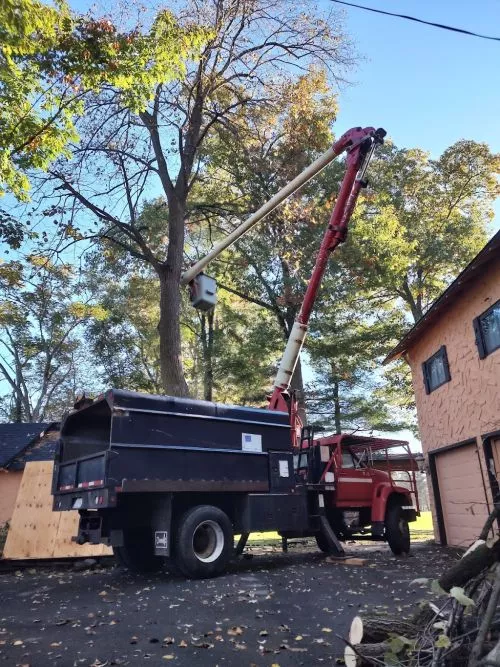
427,87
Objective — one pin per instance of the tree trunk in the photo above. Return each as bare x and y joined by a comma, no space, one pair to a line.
415,307
336,408
18,409
172,373
207,333
470,566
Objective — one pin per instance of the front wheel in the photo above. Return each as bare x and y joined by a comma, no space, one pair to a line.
204,542
397,529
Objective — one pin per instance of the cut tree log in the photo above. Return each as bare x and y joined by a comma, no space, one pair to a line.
376,630
473,635
470,566
493,657
366,653
356,630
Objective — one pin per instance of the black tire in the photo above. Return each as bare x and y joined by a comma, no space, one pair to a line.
397,530
137,552
204,542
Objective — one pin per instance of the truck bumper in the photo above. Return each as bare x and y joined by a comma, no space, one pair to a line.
85,499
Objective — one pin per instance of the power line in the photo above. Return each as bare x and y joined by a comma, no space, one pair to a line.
413,18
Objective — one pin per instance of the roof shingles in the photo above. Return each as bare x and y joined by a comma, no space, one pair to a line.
15,438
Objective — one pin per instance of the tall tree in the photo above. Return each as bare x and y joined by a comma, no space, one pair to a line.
50,59
421,222
345,347
42,310
228,352
248,160
255,48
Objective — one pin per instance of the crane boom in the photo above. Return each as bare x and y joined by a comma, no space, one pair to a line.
360,144
318,165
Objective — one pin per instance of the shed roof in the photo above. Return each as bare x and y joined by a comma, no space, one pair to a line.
475,268
15,440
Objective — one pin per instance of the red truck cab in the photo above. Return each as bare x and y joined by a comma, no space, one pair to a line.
370,488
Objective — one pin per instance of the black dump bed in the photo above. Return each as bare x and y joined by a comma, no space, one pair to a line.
145,442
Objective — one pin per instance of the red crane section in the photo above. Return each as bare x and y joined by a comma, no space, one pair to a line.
359,143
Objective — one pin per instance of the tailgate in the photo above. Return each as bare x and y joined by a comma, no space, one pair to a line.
82,484
87,472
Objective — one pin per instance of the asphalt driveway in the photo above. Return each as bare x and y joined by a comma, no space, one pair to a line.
272,609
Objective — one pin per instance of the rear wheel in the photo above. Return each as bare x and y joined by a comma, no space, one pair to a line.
397,529
204,542
137,552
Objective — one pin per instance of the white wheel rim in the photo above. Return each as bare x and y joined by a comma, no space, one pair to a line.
208,541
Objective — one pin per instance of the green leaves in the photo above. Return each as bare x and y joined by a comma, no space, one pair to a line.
459,595
443,641
51,58
42,313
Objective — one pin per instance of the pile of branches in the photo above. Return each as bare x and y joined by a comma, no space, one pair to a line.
462,630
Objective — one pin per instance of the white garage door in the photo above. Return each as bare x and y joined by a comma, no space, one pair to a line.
462,494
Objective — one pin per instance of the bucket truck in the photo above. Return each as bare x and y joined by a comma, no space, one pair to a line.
167,480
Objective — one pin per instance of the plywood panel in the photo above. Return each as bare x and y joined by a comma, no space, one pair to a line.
462,494
35,530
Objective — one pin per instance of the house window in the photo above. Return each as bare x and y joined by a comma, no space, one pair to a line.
436,370
487,330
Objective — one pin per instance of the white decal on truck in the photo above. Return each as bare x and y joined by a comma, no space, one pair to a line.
251,442
161,539
284,469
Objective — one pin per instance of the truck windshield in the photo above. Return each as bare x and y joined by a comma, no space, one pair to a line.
354,460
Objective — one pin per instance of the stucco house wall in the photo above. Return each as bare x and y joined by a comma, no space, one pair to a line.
468,406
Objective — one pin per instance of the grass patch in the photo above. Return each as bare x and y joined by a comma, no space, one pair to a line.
423,522
422,527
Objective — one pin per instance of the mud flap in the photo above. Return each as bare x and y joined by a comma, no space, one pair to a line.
331,538
161,524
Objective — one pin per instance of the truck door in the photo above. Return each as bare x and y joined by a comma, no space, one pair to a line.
354,486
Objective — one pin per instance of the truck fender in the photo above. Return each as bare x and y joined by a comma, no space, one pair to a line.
381,495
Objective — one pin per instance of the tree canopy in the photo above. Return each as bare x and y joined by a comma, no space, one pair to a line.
145,139
51,59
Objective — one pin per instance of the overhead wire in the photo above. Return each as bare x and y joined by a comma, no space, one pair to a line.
442,26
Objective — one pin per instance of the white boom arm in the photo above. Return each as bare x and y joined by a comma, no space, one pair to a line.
313,169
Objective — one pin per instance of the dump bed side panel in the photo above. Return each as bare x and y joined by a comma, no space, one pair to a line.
171,469
144,428
140,443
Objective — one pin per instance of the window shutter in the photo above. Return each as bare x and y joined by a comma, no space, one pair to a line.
479,337
446,365
426,379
